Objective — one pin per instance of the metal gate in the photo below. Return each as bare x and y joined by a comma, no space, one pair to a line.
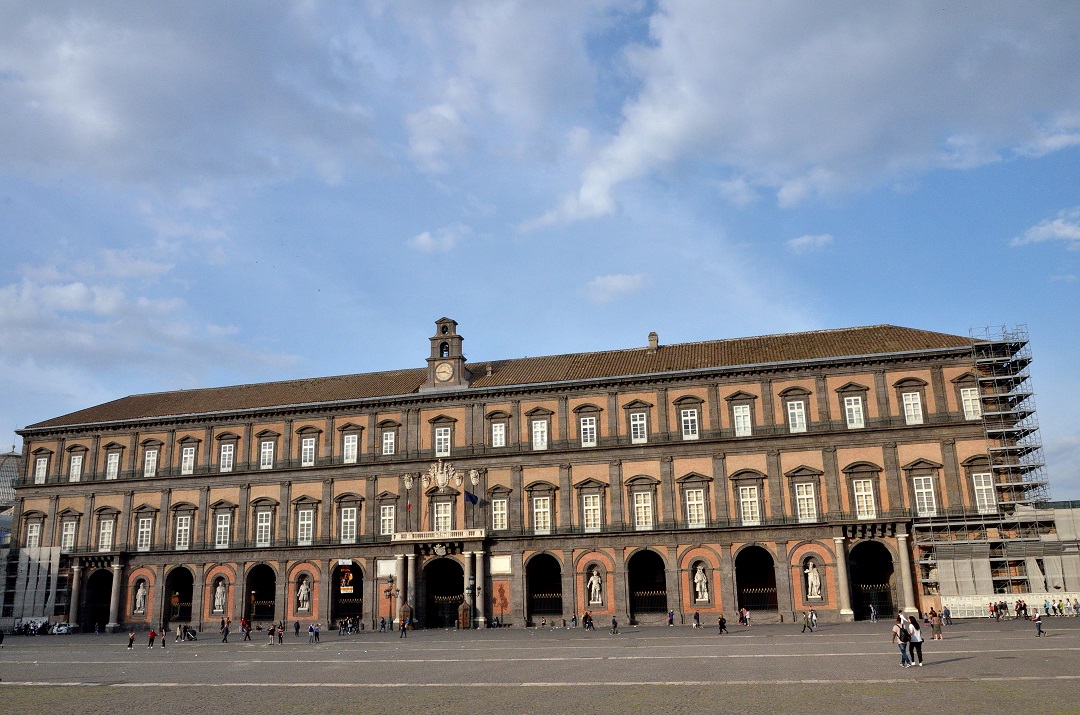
878,594
545,604
648,601
445,611
758,598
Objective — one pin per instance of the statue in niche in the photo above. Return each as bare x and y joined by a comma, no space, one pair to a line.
813,581
219,597
701,584
303,594
140,598
596,586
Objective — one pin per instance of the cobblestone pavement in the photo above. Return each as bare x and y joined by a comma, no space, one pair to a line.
980,667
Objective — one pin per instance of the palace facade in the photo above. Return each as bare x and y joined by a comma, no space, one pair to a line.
832,470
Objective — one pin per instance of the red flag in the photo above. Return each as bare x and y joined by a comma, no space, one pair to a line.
408,506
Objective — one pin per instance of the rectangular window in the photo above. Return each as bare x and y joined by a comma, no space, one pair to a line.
695,508
266,455
805,503
443,522
539,434
912,408
969,396
307,452
75,468
864,499
985,501
112,465
498,434
388,439
588,431
498,514
925,504
590,512
263,521
142,534
33,535
67,537
187,460
348,525
853,412
542,515
639,433
643,511
796,416
41,468
150,463
689,424
749,508
305,526
228,451
386,520
183,532
442,441
105,535
349,446
741,415
222,524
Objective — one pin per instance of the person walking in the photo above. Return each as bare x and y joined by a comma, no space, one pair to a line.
947,615
671,618
873,614
721,624
272,630
1037,620
900,636
164,635
915,644
935,625
318,627
615,626
311,633
697,620
225,633
806,622
153,635
131,640
296,629
404,628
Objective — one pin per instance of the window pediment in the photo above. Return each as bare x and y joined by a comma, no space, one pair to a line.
591,484
442,419
223,504
747,475
642,480
348,497
305,500
965,379
145,510
151,442
693,477
909,382
540,486
388,424
264,503
498,415
227,437
41,452
110,447
852,387
637,405
77,448
437,491
182,506
688,401
107,511
588,407
69,513
268,434
976,460
539,412
309,431
804,472
794,392
350,427
740,396
920,464
387,496
861,467
499,490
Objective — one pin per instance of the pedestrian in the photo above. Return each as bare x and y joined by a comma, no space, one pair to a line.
671,618
915,644
573,621
179,634
281,634
272,630
806,622
225,633
404,628
131,639
246,628
935,625
697,620
296,629
721,624
947,614
153,635
900,636
318,627
311,633
873,614
1037,620
97,628
1,639
382,625
813,618
164,635
223,623
615,626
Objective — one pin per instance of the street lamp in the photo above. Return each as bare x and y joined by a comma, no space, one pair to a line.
390,592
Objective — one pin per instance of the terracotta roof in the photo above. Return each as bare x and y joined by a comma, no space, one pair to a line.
820,344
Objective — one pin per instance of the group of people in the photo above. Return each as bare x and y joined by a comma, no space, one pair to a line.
809,620
908,635
350,625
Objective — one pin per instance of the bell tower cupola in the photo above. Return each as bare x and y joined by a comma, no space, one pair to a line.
446,364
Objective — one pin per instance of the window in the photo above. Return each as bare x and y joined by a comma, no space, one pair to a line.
75,468
67,536
639,433
796,416
266,455
643,518
985,501
695,508
925,505
749,508
590,512
105,534
498,434
539,434
142,534
863,490
348,525
741,417
150,463
33,535
805,503
263,520
443,521
183,532
853,412
307,452
689,423
499,514
41,468
912,408
305,526
222,524
112,465
588,431
187,460
542,515
349,447
228,451
388,438
969,397
442,441
386,520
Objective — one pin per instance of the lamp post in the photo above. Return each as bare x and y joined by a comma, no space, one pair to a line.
390,592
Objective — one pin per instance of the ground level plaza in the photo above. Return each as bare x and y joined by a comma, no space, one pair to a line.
981,666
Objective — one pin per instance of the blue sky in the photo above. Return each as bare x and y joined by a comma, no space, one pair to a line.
203,193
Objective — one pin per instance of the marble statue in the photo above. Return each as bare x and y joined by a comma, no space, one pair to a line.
701,584
140,598
596,588
219,597
813,581
303,595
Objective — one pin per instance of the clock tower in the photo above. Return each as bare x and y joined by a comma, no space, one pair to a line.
446,365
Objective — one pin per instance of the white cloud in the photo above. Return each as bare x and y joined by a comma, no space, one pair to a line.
809,242
434,132
442,240
605,289
1065,227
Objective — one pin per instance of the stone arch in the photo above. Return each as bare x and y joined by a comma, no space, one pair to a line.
755,578
543,587
646,575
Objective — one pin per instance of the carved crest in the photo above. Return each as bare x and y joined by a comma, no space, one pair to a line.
441,474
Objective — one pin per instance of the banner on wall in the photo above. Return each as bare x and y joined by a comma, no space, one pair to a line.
345,585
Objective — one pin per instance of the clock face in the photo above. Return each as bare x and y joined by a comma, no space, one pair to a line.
444,371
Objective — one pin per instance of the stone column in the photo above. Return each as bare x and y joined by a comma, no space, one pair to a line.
481,584
720,489
197,590
470,597
399,578
410,586
728,600
905,574
114,600
76,584
843,588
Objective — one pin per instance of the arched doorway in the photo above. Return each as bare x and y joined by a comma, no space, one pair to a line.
648,585
445,584
179,587
261,594
347,592
870,567
98,592
755,577
543,584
